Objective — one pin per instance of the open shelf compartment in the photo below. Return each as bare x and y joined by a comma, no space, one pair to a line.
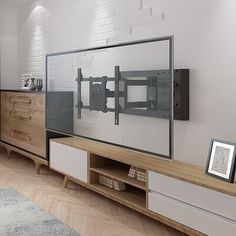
135,192
131,196
115,170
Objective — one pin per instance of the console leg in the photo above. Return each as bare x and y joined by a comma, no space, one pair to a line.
66,180
37,167
8,154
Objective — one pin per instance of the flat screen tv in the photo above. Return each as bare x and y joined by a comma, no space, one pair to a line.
122,94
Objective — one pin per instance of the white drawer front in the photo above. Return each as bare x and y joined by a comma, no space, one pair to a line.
190,216
69,160
213,201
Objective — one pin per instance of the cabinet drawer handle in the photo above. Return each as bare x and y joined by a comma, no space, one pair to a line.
20,99
20,116
21,136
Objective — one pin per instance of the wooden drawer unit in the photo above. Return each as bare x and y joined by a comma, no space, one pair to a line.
23,121
202,209
207,199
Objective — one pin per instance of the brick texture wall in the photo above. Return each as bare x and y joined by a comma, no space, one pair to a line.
204,42
51,26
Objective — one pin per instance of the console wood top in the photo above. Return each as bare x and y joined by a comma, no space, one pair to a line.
176,169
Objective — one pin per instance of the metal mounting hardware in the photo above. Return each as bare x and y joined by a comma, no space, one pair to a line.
157,102
79,105
117,109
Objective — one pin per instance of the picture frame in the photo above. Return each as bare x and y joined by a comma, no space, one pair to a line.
25,81
221,160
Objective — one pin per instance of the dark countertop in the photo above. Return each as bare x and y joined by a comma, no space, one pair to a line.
22,91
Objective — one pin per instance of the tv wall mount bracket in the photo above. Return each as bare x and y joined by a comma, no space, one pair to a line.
156,84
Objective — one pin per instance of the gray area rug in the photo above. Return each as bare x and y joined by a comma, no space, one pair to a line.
21,217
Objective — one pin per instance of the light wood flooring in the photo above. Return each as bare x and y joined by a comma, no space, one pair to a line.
85,211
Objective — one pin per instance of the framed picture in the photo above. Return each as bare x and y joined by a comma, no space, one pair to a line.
221,160
25,81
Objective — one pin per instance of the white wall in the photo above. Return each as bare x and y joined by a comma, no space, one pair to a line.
8,44
205,36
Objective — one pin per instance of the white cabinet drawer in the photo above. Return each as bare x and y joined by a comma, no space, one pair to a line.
190,216
213,201
69,160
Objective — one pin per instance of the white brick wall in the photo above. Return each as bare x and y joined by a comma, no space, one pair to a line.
205,39
8,44
50,26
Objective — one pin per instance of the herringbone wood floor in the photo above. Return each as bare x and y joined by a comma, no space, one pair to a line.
85,211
